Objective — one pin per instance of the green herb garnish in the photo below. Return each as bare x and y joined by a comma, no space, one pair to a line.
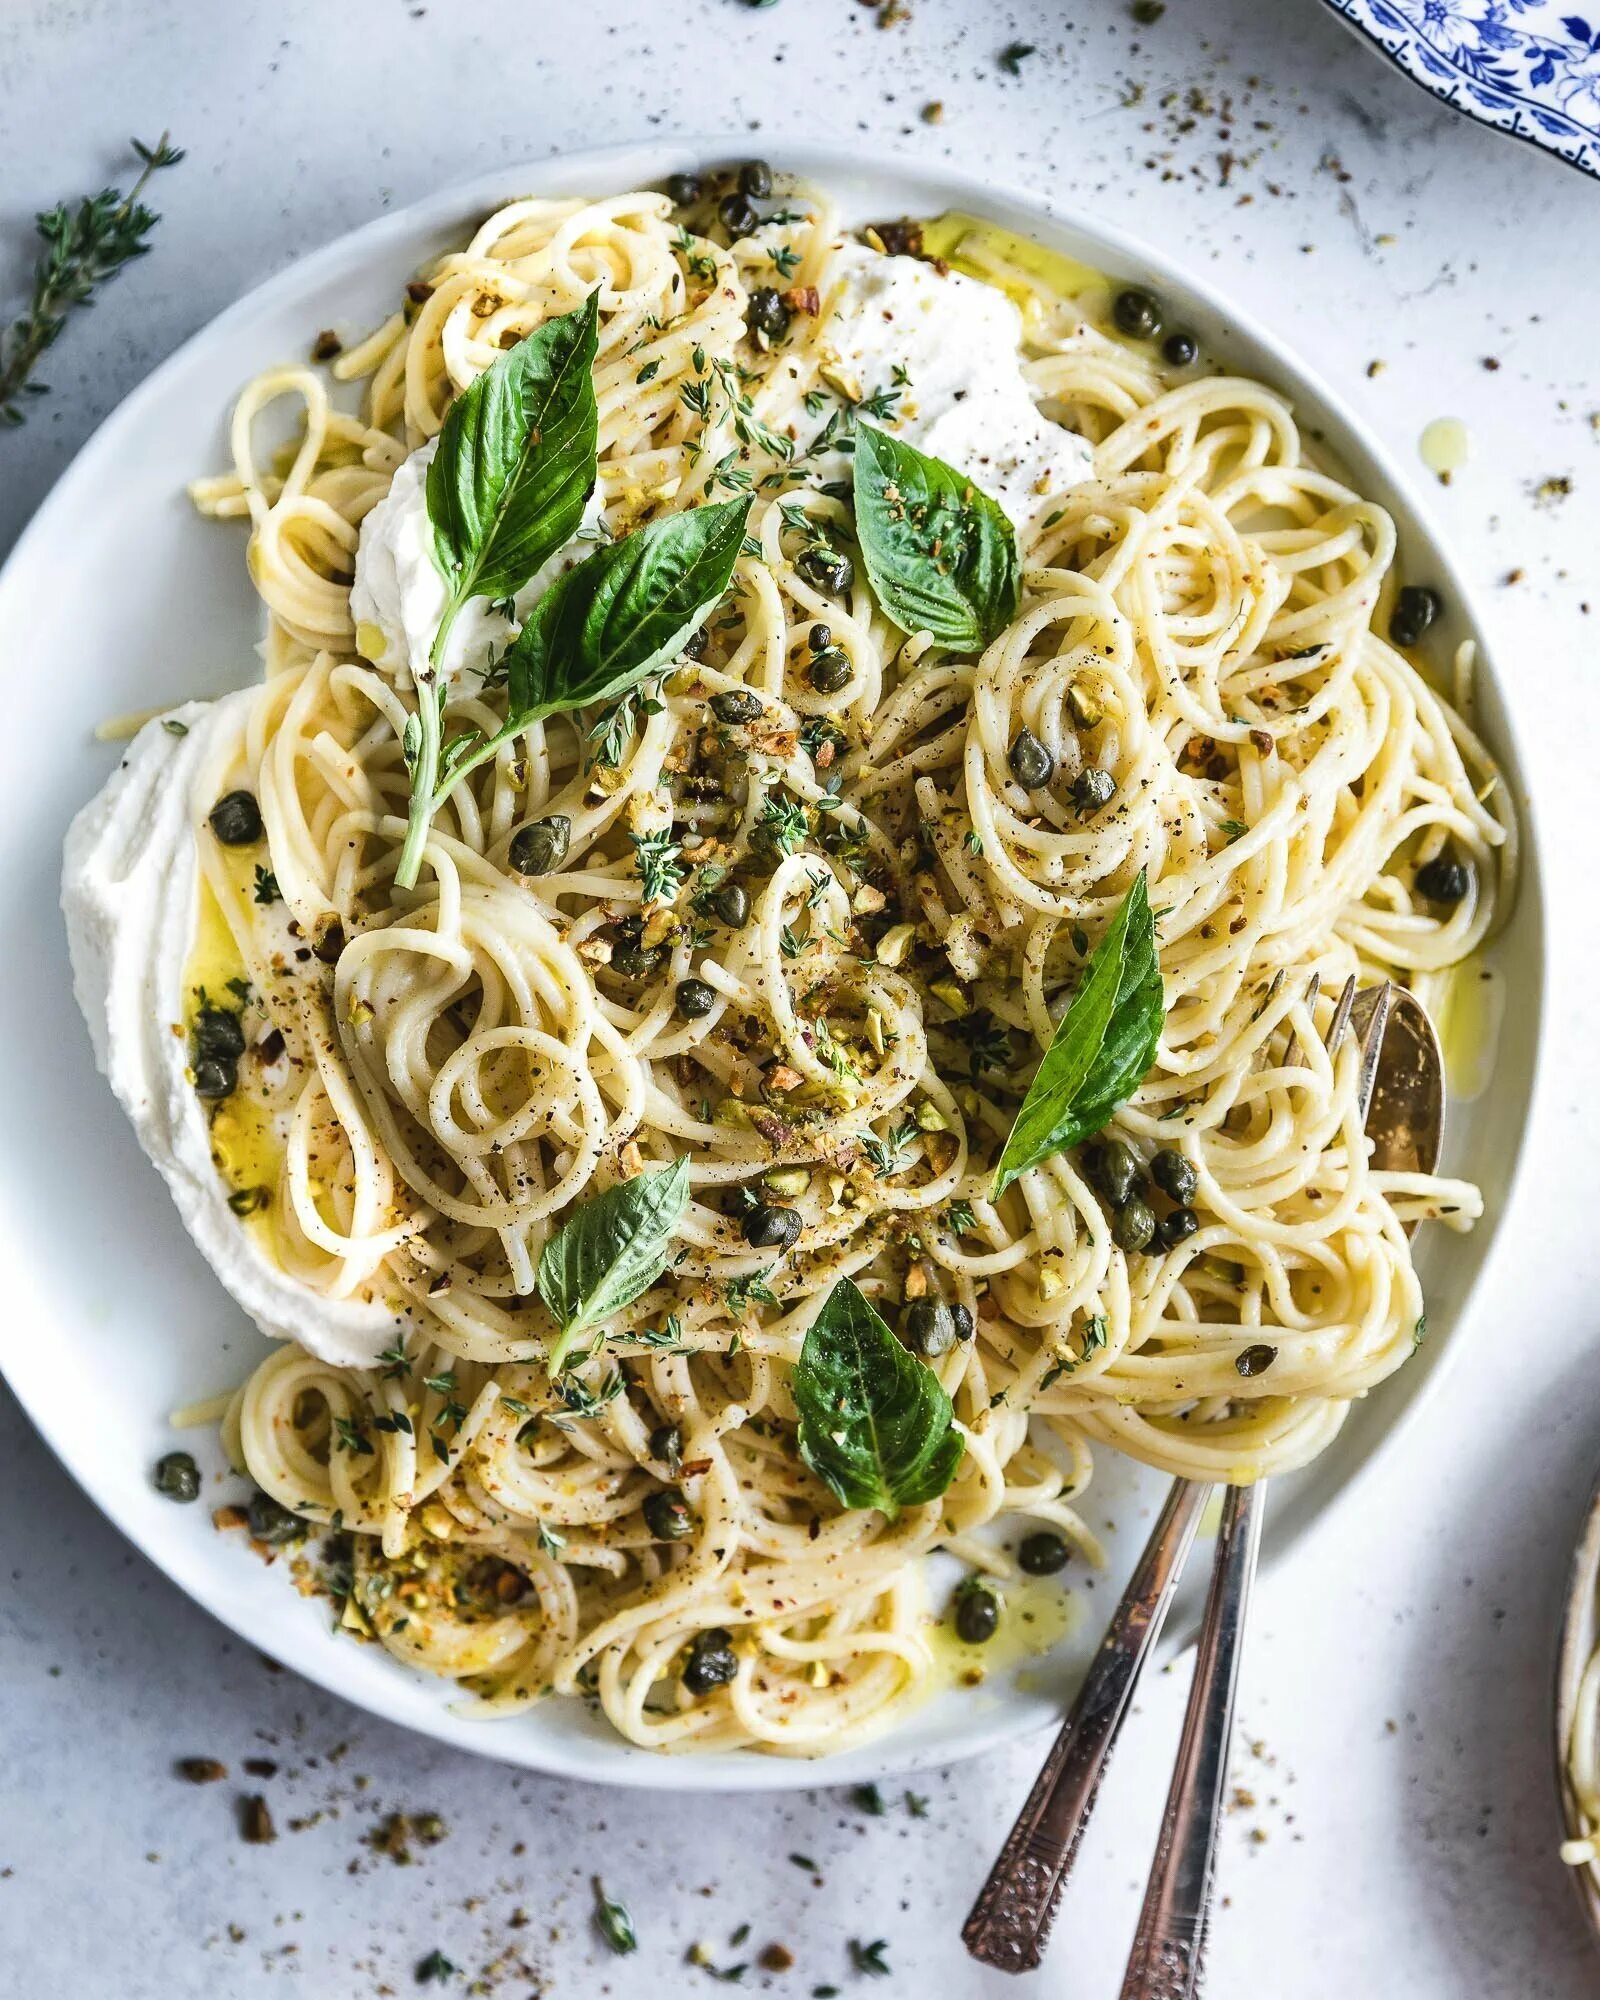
613,1922
610,1249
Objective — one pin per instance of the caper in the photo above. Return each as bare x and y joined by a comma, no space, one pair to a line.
1137,314
682,190
272,1522
736,705
965,1325
977,1614
1415,609
218,1034
738,214
666,1514
1176,1227
236,819
1255,1360
1031,763
771,1227
828,569
1114,1170
539,848
931,1328
830,671
1173,1172
1092,788
1041,1554
820,637
731,904
630,955
694,647
177,1476
755,178
1444,879
215,1078
694,999
712,1662
1180,349
666,1446
328,939
767,314
1133,1226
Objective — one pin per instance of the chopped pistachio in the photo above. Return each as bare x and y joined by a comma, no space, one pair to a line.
893,945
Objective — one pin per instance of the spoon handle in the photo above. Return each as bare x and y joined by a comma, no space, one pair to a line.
1169,1944
1011,1918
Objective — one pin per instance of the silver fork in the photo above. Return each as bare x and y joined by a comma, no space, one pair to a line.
1009,1923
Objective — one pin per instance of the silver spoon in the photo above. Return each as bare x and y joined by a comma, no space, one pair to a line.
1010,1921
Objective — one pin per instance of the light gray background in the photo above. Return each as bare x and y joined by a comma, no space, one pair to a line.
1402,1832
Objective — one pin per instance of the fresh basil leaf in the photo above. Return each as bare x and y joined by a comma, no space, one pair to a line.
623,612
515,462
1103,1047
610,1249
875,1423
941,555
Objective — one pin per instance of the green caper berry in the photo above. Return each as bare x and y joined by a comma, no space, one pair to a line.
1444,879
830,671
1174,1173
1041,1554
666,1446
682,190
1114,1170
1180,349
1133,1226
965,1325
1176,1227
328,939
1255,1360
1031,763
737,705
271,1522
827,569
977,1614
694,999
771,1227
214,1078
633,959
1137,314
542,846
731,905
1093,788
178,1477
218,1034
738,214
712,1662
820,637
236,819
694,647
755,178
667,1516
1415,609
767,315
931,1328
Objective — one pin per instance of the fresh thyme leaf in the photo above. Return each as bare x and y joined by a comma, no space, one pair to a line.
869,1799
173,726
84,247
610,1249
875,1424
786,260
1102,1049
961,1218
1235,829
941,556
1014,55
435,1969
267,890
783,823
870,1957
741,1293
613,1922
352,1437
656,857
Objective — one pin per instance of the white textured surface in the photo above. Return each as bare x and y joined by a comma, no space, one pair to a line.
1397,1681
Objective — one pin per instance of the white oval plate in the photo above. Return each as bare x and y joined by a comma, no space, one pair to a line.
119,598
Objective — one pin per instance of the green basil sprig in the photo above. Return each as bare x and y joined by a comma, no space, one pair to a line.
941,555
1103,1048
507,485
875,1424
621,615
610,1249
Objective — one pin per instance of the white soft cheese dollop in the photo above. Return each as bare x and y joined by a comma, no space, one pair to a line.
399,592
959,341
130,894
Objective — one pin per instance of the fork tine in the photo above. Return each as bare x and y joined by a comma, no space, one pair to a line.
1341,1016
1292,1047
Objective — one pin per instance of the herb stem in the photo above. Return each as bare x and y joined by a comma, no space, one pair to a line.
425,765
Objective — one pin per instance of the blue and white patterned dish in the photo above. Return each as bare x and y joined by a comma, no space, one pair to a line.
1529,67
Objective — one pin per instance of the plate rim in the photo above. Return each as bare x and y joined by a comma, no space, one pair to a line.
649,158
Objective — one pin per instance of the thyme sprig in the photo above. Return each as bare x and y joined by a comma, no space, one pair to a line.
84,246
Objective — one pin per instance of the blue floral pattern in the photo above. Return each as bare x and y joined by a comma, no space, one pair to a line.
1525,66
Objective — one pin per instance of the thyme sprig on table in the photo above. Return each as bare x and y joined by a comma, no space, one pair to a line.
84,246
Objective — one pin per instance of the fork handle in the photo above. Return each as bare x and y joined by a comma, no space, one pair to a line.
1169,1943
1011,1918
